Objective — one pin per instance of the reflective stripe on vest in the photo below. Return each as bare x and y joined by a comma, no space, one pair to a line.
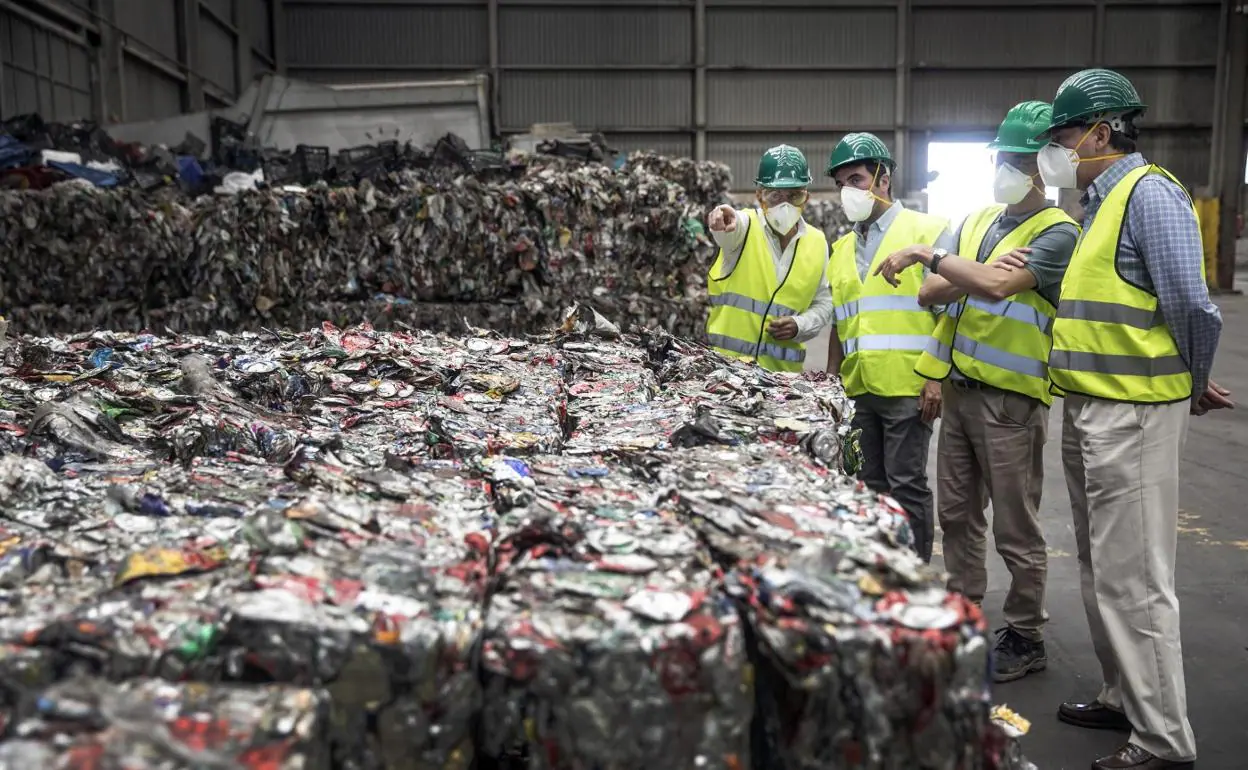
1005,343
743,302
1109,313
1110,340
752,305
882,329
741,347
1002,359
1005,309
872,304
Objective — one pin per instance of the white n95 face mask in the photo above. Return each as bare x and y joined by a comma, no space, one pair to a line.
858,204
1058,166
783,217
1010,185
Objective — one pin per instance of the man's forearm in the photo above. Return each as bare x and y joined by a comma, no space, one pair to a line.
937,291
983,281
818,315
835,354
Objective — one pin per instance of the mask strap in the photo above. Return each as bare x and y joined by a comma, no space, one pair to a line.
1088,133
876,178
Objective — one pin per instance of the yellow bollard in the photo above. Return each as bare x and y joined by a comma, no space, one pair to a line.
1207,210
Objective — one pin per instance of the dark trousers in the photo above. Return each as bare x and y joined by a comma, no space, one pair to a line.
895,443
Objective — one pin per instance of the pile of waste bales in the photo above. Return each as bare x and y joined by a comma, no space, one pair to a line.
438,238
349,548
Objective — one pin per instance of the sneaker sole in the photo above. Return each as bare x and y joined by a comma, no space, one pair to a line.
1035,665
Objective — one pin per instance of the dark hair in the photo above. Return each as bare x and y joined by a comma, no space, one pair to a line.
1121,143
1124,140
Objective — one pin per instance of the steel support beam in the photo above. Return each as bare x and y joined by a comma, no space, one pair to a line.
901,136
1098,35
495,54
277,23
699,80
1232,160
1225,15
110,101
188,54
242,45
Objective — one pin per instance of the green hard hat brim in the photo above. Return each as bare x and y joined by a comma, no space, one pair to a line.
994,145
888,163
782,184
1083,119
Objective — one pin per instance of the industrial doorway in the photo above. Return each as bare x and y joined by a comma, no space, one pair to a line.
961,175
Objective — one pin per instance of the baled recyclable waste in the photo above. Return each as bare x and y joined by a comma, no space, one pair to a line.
430,238
349,548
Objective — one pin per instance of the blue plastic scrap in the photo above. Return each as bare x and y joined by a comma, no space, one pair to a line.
13,154
92,175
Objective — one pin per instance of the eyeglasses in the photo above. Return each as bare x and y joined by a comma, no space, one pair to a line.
1025,164
776,197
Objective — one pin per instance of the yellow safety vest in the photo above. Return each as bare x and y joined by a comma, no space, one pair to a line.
882,330
1110,340
1003,344
746,300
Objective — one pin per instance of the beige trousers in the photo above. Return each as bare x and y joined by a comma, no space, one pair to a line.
992,447
1122,471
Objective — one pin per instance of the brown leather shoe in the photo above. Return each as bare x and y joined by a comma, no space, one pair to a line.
1132,757
1094,716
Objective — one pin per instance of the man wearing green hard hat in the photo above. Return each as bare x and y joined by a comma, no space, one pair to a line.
881,329
991,348
768,287
1133,344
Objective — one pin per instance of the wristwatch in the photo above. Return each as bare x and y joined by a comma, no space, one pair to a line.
937,255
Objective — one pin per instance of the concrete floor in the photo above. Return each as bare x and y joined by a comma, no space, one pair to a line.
1212,583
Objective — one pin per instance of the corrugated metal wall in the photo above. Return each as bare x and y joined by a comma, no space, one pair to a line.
129,60
724,79
43,67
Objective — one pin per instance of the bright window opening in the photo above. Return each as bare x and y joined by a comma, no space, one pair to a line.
963,179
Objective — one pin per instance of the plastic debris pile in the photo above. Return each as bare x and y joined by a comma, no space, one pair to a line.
357,549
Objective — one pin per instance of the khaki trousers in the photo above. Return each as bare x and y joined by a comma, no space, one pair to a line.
992,448
1122,471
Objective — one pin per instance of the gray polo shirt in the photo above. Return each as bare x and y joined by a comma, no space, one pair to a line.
1050,251
1050,256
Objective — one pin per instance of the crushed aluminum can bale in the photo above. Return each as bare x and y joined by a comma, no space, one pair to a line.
24,673
90,723
602,644
843,684
590,547
387,247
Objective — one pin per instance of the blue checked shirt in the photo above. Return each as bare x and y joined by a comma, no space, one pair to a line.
1161,252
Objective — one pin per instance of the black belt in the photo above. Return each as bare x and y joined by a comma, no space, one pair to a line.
969,384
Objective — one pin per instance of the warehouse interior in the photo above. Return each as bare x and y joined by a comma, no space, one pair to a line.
697,78
721,81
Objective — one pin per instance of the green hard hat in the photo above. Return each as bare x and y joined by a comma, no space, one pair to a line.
1091,93
1023,123
857,148
783,167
